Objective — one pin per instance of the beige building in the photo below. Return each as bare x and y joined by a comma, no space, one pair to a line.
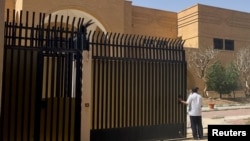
205,26
199,25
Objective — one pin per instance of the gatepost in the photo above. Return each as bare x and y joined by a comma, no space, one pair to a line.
86,109
2,11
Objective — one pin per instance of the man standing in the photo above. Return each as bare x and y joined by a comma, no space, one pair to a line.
194,102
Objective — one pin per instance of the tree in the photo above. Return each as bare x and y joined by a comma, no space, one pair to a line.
242,62
199,60
223,80
232,77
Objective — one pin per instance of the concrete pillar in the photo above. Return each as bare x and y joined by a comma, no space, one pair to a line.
86,118
2,10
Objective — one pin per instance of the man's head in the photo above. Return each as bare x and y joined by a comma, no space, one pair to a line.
195,89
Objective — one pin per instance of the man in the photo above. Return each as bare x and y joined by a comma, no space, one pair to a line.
194,102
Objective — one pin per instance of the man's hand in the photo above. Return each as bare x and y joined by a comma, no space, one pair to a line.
180,100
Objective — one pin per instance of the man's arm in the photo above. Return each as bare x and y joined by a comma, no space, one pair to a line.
182,101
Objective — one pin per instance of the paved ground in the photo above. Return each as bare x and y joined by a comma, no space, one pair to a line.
227,114
237,114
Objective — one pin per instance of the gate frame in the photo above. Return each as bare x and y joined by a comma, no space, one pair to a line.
75,41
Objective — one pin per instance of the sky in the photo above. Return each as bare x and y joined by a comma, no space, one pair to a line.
179,5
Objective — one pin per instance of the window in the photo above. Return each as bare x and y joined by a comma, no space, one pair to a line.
229,44
218,43
223,44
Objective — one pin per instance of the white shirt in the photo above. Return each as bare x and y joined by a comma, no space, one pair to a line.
194,102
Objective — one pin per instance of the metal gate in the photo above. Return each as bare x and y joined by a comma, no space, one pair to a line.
41,96
136,83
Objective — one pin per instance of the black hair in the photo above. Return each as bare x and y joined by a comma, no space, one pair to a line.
195,89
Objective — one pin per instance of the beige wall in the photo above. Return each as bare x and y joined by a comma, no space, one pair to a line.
199,24
102,10
154,22
116,16
188,26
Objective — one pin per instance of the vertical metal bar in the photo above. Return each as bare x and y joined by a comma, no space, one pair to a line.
174,99
119,90
107,98
112,82
147,74
94,115
138,91
126,96
30,95
30,78
18,76
111,94
157,93
58,91
132,93
150,93
70,96
52,95
102,91
24,82
105,44
65,89
66,96
115,93
45,69
106,85
16,88
119,54
164,71
67,39
122,93
66,79
115,82
153,91
103,84
98,95
70,86
142,92
160,93
171,90
78,96
105,93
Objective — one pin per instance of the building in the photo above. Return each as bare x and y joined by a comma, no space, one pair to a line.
199,25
